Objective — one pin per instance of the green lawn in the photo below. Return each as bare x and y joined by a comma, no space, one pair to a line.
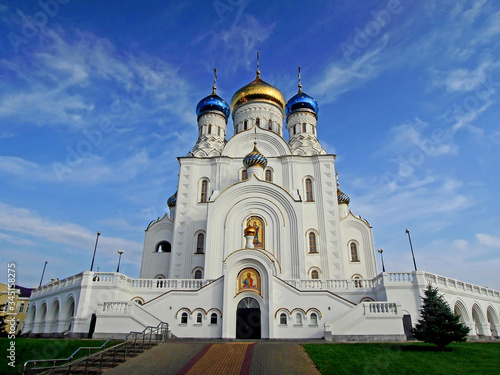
27,349
416,358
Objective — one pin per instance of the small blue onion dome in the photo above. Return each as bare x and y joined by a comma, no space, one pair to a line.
342,197
212,102
301,101
172,201
255,158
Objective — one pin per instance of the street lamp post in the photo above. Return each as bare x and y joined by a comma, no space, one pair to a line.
95,248
411,247
43,272
119,258
382,257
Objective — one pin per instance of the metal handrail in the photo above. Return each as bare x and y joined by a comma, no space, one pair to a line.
159,330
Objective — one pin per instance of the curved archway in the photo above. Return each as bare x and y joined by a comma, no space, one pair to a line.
53,317
492,318
67,314
478,319
461,311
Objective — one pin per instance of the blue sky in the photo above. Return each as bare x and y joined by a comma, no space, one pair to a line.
97,99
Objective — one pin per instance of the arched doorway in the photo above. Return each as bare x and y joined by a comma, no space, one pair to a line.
248,319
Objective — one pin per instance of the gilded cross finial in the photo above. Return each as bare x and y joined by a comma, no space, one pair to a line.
300,82
258,65
214,87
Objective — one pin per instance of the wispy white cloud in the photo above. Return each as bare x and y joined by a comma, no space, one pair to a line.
243,38
15,240
488,240
340,77
28,222
74,79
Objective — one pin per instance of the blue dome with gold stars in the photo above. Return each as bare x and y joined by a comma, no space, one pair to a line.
211,103
255,158
300,102
172,201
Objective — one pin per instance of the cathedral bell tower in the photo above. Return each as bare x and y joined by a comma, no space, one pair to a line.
301,119
213,113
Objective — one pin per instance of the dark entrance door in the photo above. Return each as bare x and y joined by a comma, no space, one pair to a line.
248,319
407,327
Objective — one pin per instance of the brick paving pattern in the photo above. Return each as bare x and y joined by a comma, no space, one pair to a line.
220,358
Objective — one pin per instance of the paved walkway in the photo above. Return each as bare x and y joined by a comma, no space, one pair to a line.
220,358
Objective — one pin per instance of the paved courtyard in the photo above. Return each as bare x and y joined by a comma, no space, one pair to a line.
231,358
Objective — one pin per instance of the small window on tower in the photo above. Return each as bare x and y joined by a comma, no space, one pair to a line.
314,130
245,125
200,243
269,175
309,191
304,128
257,122
244,175
218,131
312,243
270,125
354,252
204,189
209,129
294,129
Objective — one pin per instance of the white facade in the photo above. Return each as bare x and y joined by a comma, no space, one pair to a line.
310,271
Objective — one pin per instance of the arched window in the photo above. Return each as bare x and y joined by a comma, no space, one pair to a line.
244,175
197,274
163,247
204,188
283,319
309,191
314,319
184,318
200,243
354,252
304,128
314,275
312,243
245,125
314,130
269,175
294,129
257,121
298,318
218,131
209,129
270,125
213,318
199,318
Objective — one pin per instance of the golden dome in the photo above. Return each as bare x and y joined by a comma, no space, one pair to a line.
250,231
258,90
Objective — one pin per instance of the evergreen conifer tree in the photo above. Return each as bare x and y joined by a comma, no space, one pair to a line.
438,324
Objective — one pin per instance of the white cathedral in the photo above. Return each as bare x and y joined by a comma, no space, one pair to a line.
259,244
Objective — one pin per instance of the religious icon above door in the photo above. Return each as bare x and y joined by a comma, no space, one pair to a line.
248,281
